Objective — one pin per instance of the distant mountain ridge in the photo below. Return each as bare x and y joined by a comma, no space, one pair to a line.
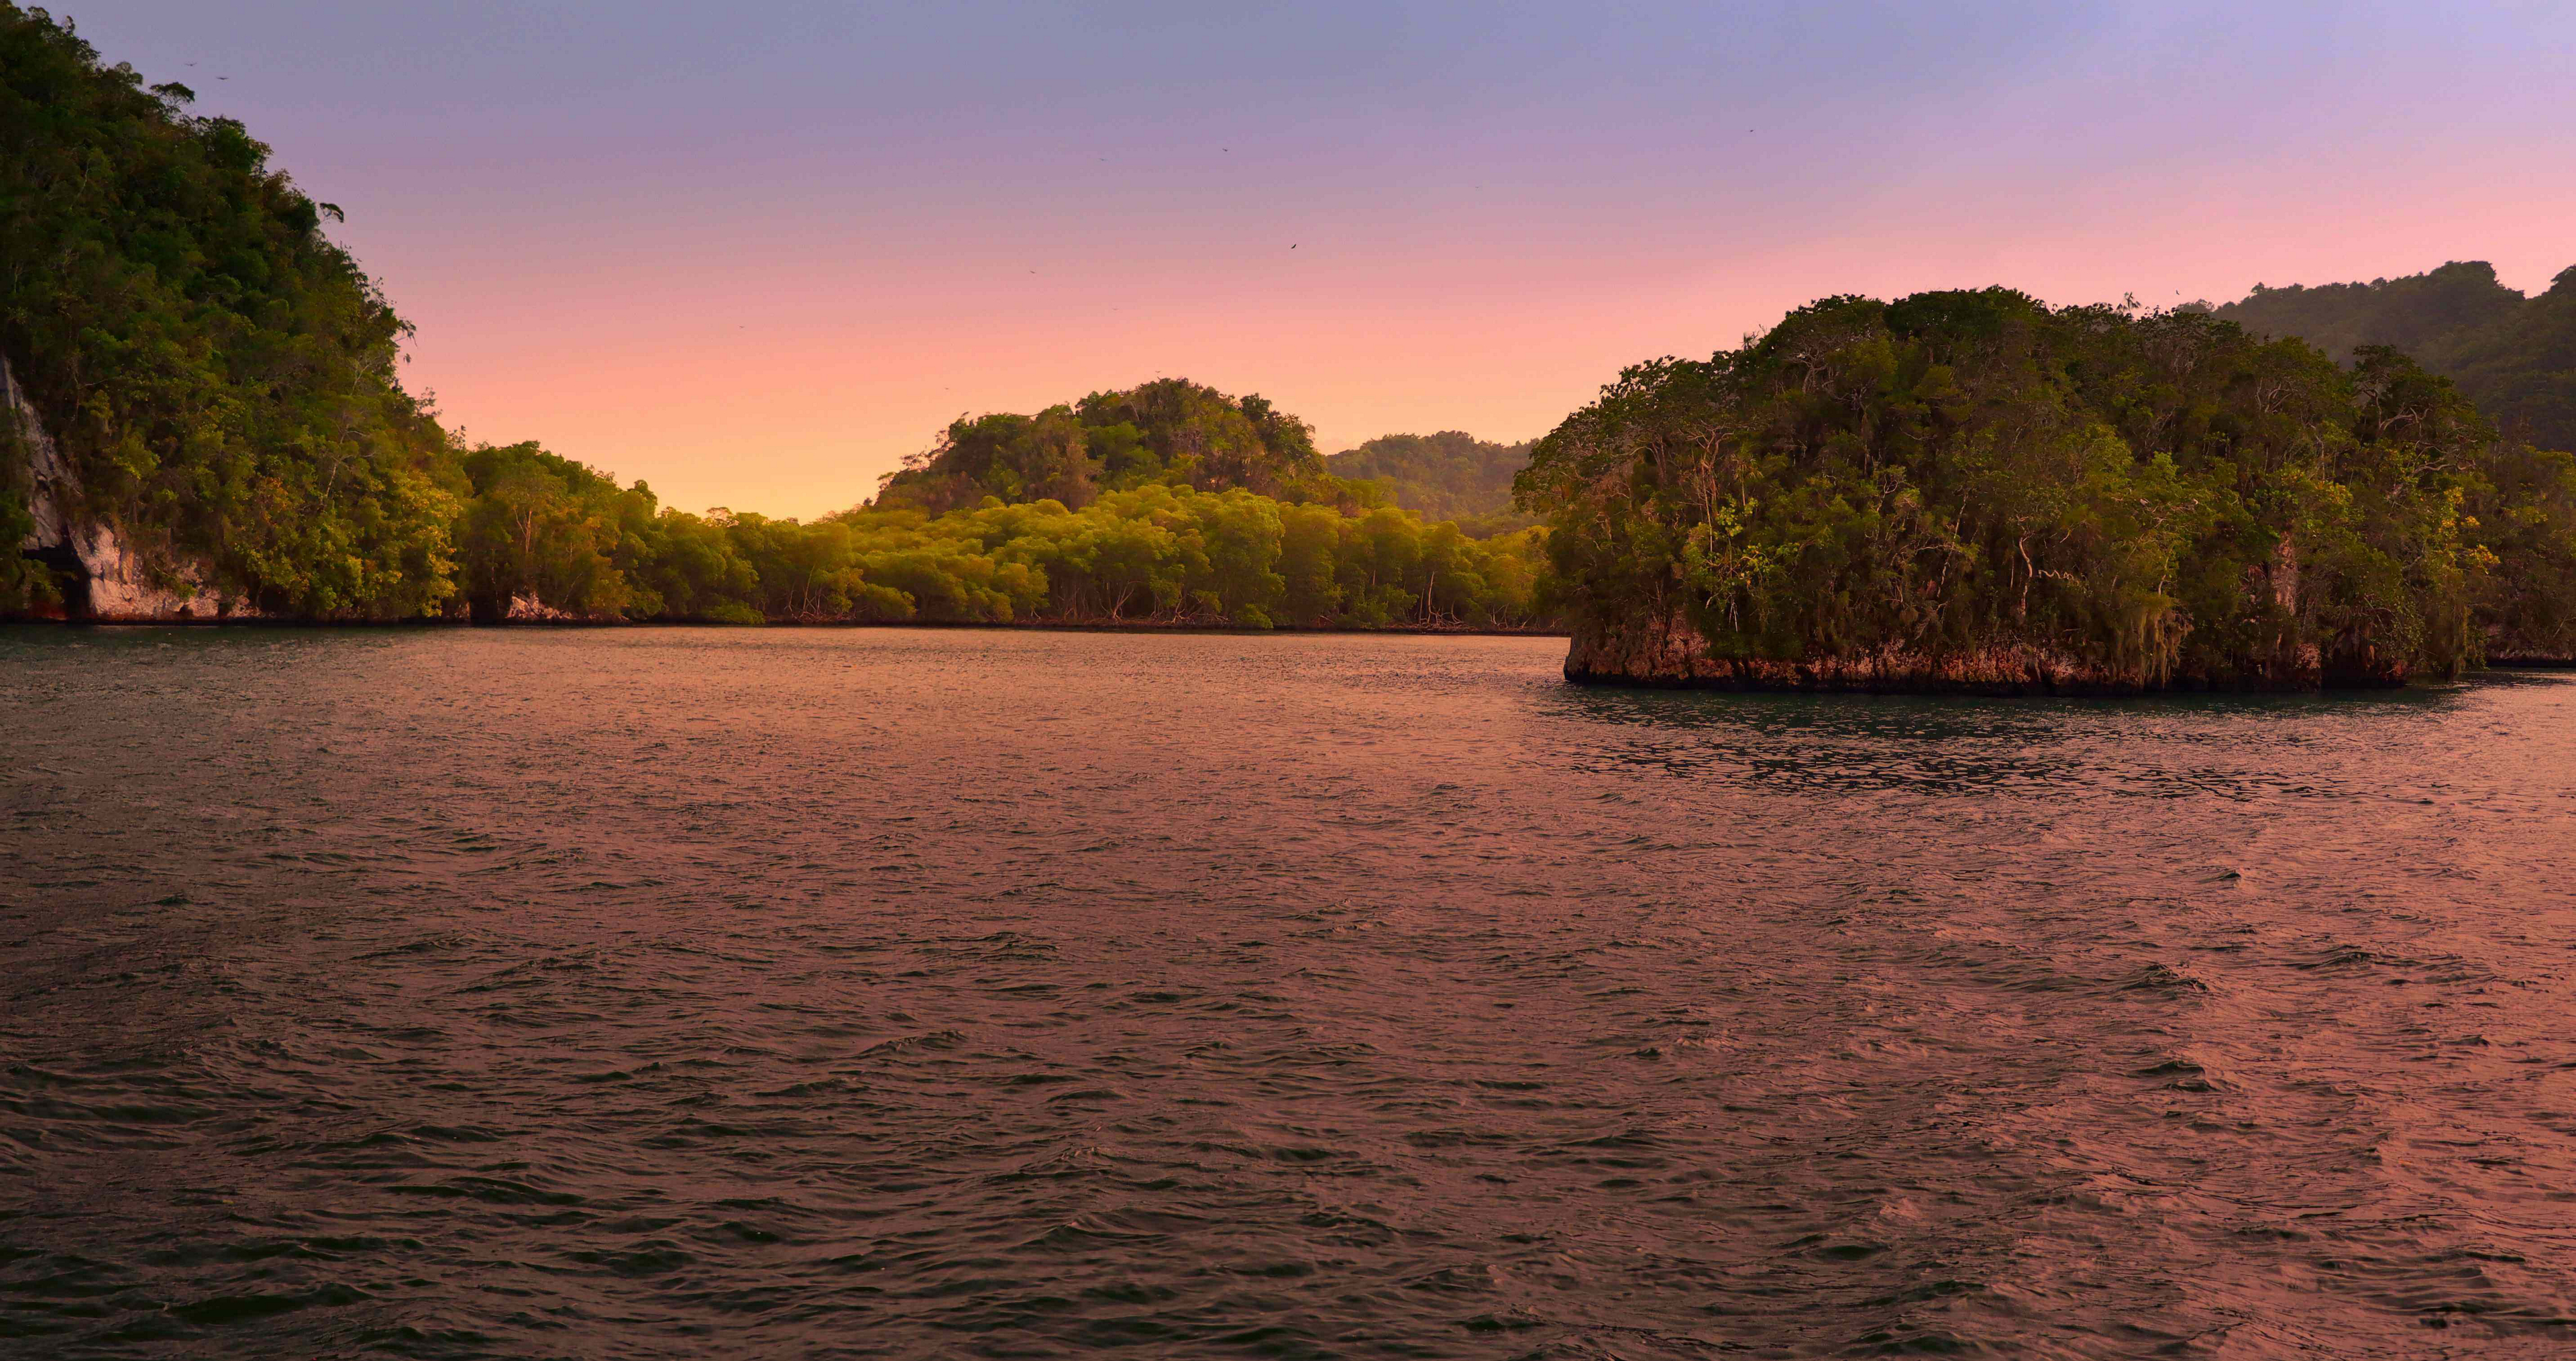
2514,356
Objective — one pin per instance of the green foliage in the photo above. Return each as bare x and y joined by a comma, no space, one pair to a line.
1169,432
2523,501
544,529
1168,502
2514,357
1167,554
1450,476
2521,370
2409,313
2160,496
219,373
548,529
22,583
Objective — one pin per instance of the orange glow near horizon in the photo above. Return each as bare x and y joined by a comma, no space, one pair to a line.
789,389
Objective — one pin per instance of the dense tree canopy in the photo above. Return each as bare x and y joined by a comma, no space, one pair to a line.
1169,432
218,372
1451,475
2158,496
540,528
2514,357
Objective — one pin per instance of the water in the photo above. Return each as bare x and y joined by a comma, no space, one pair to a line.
908,993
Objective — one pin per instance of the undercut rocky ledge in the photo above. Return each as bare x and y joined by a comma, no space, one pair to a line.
104,580
1668,653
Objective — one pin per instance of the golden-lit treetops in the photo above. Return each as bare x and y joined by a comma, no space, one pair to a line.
541,527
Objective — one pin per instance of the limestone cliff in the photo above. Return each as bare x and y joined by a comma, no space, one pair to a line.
104,579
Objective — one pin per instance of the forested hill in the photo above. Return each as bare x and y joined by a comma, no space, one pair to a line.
1450,475
2513,356
1170,432
1976,491
217,376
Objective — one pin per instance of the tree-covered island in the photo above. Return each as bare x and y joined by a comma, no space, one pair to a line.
1970,491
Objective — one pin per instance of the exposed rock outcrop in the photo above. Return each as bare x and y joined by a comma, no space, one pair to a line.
528,609
524,607
104,580
1669,652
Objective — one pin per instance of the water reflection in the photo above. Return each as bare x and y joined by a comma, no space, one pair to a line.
2025,747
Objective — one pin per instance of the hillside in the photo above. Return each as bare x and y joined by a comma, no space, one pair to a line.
1169,432
1451,475
2515,357
203,379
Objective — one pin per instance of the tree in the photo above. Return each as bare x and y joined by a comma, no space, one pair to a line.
2160,498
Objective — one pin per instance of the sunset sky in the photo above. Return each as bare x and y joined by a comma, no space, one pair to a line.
754,254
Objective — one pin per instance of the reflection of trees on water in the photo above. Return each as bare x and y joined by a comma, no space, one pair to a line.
2160,746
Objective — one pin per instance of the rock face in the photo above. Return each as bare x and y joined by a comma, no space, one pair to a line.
1669,652
104,580
528,609
525,607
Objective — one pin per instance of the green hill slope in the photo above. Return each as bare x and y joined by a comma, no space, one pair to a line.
217,376
2513,356
1451,475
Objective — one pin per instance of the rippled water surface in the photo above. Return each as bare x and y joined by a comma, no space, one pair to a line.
891,993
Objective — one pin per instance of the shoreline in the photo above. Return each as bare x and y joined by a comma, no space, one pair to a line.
1046,626
1731,682
1669,654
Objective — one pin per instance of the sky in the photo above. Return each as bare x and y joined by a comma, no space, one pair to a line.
756,253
